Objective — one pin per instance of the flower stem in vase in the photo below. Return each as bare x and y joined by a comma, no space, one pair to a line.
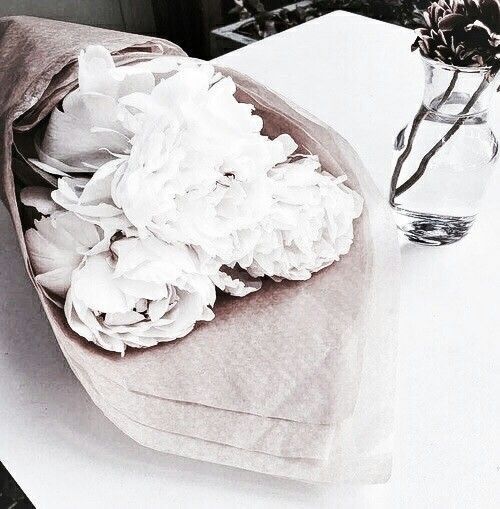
422,112
456,126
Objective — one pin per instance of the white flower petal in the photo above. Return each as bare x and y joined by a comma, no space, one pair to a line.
95,286
39,198
94,66
127,318
56,247
56,281
158,308
238,285
72,141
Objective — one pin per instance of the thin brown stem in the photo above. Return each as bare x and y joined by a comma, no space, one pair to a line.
456,126
406,152
413,132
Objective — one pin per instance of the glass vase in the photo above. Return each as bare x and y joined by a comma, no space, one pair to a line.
443,159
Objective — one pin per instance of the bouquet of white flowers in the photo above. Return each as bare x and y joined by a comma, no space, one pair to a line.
167,190
150,191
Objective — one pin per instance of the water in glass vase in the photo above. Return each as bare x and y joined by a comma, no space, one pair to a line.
444,158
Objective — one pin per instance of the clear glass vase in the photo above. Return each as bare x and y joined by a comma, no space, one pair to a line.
444,158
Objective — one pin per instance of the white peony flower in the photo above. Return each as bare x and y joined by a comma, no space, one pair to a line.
86,131
218,133
197,172
140,293
57,245
310,224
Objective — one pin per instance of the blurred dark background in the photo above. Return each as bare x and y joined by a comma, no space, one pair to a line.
191,23
11,495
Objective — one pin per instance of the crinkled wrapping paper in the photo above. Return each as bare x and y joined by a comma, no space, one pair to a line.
295,380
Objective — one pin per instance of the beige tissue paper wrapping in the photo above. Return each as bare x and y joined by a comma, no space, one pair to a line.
295,380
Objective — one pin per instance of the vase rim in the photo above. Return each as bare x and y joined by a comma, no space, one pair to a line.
451,67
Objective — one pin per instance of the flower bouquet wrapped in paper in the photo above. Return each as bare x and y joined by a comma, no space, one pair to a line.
217,266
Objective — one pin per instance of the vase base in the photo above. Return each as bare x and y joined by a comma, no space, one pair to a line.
432,229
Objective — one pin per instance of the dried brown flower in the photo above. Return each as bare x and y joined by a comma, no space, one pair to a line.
461,32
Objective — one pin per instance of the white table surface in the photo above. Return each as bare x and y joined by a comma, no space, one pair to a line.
359,76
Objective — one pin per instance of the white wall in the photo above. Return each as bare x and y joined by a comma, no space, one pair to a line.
129,15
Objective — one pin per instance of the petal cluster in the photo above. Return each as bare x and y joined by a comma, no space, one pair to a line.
167,190
461,32
137,295
309,226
